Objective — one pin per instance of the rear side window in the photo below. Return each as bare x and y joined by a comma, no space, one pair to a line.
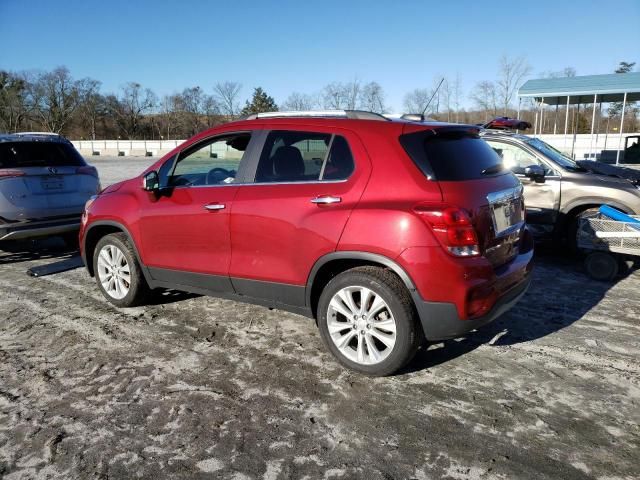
292,156
452,155
38,154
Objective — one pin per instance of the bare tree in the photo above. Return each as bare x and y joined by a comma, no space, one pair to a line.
372,98
129,107
417,100
511,74
485,96
457,93
447,94
300,102
227,95
334,96
56,96
14,105
342,96
92,107
197,108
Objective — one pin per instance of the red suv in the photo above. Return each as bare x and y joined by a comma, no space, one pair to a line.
386,232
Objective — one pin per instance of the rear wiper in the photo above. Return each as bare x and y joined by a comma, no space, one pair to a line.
498,167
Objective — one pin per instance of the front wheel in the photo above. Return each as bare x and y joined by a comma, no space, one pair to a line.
118,272
367,320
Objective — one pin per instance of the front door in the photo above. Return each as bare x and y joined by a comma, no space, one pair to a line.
542,199
185,226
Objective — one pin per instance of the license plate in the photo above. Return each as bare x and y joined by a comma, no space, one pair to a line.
506,210
53,183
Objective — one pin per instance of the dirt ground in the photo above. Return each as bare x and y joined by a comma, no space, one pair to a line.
196,387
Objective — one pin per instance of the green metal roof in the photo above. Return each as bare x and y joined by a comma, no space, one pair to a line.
609,88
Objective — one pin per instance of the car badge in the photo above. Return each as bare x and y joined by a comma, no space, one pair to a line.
52,170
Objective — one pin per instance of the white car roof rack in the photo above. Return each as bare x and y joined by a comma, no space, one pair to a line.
49,134
352,114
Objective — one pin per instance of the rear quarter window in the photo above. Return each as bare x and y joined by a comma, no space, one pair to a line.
38,154
452,155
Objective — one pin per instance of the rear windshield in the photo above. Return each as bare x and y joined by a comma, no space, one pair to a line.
452,155
38,154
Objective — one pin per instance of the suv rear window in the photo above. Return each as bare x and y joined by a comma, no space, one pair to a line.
38,154
450,154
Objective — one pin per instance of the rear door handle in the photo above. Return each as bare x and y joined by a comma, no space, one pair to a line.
214,206
325,200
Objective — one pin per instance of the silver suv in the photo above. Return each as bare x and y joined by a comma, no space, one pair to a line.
558,190
44,184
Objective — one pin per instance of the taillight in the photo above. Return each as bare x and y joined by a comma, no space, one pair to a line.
87,170
6,173
452,227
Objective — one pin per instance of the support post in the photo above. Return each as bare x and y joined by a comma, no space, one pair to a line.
566,124
575,130
624,102
555,120
593,122
542,116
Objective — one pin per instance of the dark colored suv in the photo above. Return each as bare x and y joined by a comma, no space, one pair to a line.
386,232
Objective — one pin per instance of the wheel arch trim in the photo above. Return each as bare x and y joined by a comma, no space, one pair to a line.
356,255
125,230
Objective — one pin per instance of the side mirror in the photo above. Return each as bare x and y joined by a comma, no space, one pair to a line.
151,181
535,173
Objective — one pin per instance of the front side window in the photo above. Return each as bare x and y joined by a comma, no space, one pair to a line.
290,156
516,158
211,162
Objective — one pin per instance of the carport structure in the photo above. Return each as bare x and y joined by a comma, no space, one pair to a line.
588,89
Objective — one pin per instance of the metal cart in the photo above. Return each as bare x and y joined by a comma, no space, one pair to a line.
610,244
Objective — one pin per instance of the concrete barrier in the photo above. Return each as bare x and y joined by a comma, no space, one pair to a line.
133,148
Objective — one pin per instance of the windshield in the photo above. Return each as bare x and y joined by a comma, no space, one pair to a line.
552,153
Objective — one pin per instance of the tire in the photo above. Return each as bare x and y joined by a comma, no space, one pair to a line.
380,286
135,290
601,266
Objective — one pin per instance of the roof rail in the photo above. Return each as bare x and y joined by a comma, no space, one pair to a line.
352,114
50,134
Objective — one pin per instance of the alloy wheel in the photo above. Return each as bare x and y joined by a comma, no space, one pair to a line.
361,325
113,272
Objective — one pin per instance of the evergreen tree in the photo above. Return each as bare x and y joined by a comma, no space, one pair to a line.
615,108
260,102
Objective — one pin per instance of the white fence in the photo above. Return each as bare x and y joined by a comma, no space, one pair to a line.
583,146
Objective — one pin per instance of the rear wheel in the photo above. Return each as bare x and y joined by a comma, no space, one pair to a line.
118,272
601,266
367,320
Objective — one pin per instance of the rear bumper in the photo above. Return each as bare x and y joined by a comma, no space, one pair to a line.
39,228
447,288
440,321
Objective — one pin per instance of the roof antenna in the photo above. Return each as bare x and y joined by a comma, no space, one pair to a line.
433,95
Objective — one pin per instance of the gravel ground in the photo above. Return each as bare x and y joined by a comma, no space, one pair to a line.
196,387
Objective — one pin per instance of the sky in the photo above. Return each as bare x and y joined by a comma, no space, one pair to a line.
285,46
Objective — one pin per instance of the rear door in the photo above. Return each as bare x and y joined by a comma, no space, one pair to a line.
306,184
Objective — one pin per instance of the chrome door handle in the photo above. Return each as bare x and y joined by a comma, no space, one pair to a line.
214,206
325,200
